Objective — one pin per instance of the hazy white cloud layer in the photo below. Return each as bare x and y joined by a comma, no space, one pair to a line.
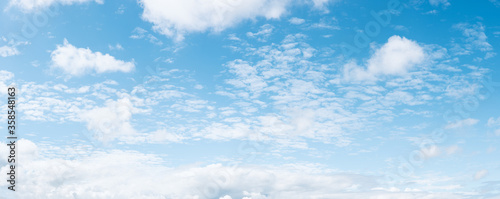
85,172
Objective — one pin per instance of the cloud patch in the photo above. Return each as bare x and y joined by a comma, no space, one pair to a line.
34,5
111,121
175,18
462,123
83,172
396,57
79,61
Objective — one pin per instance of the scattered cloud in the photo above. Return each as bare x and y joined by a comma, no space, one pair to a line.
323,4
79,61
176,18
10,49
120,9
475,38
5,77
263,34
6,51
462,123
495,2
493,122
115,47
296,21
35,5
139,33
75,171
431,12
480,174
445,3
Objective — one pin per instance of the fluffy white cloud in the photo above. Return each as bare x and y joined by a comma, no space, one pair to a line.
6,51
79,61
33,5
111,121
396,57
175,18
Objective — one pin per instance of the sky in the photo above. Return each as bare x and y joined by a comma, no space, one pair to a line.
262,99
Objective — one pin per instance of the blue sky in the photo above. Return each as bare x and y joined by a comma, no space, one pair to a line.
253,99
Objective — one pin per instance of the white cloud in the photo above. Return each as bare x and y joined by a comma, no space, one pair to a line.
33,5
396,57
111,121
175,18
11,48
480,174
120,10
322,4
94,173
445,3
79,61
5,76
264,32
462,123
115,47
493,122
163,135
6,51
140,33
475,38
296,21
247,77
431,151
